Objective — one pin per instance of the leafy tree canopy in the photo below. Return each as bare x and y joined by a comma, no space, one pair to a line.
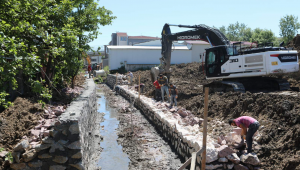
42,42
289,26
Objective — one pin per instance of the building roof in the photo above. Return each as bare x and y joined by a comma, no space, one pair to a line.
145,47
143,37
121,34
156,43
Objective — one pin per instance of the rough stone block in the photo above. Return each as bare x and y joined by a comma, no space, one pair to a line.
60,159
74,145
240,167
211,155
74,129
250,158
40,147
78,155
29,155
47,140
223,160
224,150
36,164
237,130
21,146
230,166
18,166
78,166
44,156
233,158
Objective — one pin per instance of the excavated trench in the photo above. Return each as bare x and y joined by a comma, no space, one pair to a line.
130,141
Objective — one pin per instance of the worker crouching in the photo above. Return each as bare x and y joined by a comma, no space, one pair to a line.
245,122
173,94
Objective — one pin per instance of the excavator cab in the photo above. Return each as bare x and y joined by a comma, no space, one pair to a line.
214,59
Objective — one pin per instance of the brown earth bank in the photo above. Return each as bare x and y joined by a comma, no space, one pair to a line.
17,120
278,112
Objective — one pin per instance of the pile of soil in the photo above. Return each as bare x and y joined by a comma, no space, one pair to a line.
295,43
188,79
277,112
17,120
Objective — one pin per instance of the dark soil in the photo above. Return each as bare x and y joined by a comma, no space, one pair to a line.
278,113
17,120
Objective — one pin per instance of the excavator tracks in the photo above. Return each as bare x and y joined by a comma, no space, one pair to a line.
252,84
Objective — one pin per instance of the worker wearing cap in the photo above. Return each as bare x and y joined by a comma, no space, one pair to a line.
173,94
245,122
163,83
157,90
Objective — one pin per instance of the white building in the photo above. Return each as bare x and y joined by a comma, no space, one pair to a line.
198,49
134,57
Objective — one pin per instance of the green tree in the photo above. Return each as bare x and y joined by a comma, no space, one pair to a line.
42,40
262,36
289,26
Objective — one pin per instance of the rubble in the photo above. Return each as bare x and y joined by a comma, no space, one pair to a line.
250,158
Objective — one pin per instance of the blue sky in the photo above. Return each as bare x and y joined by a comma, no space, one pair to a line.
140,17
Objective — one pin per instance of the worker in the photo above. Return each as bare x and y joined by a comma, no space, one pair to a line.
245,122
163,83
141,87
131,76
89,70
173,94
157,91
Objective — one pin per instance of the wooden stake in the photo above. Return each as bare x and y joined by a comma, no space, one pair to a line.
139,85
203,162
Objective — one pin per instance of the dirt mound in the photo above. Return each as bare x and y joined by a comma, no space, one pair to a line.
295,43
279,114
188,79
17,120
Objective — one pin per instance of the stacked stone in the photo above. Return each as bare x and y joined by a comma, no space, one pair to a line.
61,149
66,145
121,80
183,139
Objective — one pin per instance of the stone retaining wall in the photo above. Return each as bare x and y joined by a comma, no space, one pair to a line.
69,142
184,141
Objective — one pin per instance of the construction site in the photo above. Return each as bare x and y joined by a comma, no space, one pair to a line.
237,109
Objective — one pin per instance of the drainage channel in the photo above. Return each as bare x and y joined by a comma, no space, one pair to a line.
129,140
112,156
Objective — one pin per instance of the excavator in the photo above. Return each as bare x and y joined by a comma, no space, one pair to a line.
237,68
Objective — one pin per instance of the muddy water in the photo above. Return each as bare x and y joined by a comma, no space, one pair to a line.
112,156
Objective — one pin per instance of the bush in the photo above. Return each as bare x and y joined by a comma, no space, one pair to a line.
106,69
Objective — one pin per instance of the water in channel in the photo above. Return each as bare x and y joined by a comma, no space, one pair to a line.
112,157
